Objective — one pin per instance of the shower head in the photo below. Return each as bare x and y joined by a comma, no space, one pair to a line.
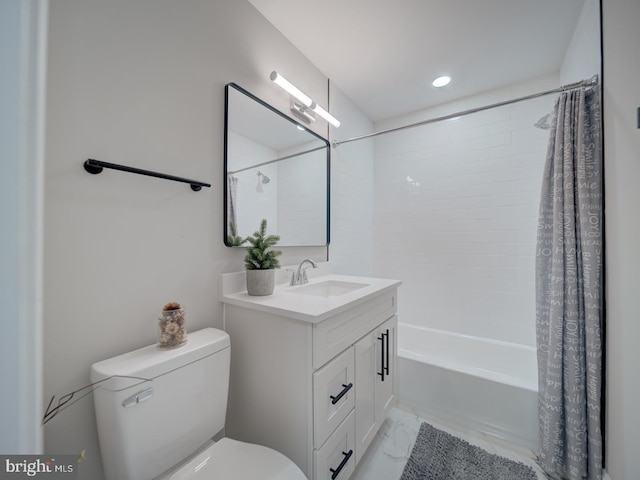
543,123
263,177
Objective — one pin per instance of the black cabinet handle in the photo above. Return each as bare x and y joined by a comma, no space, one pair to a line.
382,369
386,367
336,472
344,391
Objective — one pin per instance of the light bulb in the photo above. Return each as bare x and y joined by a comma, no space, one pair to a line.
441,81
291,89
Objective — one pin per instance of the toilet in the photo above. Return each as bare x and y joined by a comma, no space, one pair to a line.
158,412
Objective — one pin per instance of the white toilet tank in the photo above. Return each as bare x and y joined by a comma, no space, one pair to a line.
160,405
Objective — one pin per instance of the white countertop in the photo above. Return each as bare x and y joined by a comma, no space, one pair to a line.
309,308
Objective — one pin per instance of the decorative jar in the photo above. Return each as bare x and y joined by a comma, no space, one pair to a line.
172,327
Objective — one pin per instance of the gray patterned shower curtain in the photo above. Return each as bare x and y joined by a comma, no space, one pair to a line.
569,279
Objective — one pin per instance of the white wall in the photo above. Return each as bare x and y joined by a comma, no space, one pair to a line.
582,58
455,214
351,248
142,83
621,39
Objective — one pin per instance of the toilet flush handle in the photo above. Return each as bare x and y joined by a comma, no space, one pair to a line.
137,398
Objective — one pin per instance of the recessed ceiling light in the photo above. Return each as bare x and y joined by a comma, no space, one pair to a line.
441,81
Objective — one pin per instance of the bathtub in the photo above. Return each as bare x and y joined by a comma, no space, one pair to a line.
477,383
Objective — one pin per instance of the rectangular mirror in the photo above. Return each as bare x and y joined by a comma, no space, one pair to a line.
274,168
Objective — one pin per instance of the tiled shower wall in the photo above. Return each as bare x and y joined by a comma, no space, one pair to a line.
455,214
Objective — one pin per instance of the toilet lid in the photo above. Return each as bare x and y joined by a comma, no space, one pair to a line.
230,459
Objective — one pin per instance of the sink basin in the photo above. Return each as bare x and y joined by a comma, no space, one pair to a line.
328,288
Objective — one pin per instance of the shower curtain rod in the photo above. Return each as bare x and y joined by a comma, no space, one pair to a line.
564,88
287,157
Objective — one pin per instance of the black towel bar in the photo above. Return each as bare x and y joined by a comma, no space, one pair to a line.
96,166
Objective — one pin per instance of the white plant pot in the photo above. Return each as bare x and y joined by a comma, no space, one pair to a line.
261,282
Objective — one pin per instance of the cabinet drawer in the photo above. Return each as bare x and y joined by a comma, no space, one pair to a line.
336,460
333,395
333,335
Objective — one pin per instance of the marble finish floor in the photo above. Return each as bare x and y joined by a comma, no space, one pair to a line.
390,449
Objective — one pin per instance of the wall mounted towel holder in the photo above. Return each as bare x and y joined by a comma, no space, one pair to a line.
96,166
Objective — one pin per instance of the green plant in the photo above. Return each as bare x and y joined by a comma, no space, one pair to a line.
258,258
234,240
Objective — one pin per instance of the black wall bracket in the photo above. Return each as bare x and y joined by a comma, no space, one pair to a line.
96,166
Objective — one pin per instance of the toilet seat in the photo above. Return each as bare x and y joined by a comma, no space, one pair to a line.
230,459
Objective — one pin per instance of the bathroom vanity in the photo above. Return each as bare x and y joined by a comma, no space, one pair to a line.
313,369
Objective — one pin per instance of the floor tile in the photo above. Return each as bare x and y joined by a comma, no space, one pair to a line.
390,449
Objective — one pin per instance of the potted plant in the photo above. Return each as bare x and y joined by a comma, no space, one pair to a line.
261,262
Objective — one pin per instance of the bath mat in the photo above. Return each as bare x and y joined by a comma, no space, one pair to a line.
437,455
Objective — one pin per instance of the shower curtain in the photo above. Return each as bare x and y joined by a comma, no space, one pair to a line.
232,195
569,276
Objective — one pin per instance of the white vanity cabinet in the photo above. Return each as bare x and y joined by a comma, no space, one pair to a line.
316,389
375,376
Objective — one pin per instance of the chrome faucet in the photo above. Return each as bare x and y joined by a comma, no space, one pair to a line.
299,277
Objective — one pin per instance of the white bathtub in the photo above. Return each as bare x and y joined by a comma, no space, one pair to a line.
482,384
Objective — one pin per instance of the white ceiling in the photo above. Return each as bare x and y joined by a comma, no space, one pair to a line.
383,54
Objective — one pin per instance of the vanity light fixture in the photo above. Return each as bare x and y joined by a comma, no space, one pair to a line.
441,81
302,111
302,105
